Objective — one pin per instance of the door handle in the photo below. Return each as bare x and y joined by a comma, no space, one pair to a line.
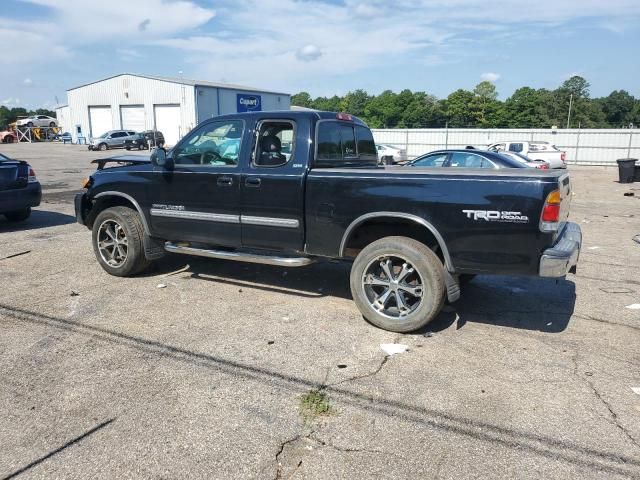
225,181
253,182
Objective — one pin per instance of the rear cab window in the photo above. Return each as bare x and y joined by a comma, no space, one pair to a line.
344,144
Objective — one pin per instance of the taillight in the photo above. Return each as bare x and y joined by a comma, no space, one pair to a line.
544,166
32,175
550,218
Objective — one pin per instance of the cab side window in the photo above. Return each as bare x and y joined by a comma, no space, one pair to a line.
214,144
515,147
274,143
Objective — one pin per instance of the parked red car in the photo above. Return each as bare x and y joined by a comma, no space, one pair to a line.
8,137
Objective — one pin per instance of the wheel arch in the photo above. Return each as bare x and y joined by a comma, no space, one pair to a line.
110,198
396,217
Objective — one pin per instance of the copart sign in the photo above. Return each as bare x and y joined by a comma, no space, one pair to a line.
248,103
496,216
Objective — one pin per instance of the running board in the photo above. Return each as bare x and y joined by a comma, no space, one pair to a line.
240,256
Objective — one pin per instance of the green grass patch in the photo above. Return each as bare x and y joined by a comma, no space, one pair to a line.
314,404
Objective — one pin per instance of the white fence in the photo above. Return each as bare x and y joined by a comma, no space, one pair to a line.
587,147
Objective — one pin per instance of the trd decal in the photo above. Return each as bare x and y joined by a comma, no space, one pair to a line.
496,216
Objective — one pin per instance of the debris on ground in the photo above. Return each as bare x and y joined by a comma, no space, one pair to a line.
636,390
633,306
593,248
183,269
393,348
636,239
629,194
428,335
74,294
342,365
161,285
16,254
616,290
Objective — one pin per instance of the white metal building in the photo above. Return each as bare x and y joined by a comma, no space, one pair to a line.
144,102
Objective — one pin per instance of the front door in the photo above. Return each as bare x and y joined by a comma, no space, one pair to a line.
273,189
199,200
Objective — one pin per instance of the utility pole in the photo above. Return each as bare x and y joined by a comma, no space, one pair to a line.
569,116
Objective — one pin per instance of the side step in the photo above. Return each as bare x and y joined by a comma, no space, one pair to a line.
240,256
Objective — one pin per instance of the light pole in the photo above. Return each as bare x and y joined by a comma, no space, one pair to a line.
569,116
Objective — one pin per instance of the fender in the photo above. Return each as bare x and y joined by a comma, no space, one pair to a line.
407,216
143,218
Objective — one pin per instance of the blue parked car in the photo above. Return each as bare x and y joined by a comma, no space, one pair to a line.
19,189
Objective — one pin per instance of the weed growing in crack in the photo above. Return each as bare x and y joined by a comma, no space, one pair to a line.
314,404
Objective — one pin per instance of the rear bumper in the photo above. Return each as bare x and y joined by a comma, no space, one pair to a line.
21,198
562,258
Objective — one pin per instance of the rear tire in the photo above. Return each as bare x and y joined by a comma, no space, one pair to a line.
52,124
413,295
19,215
117,241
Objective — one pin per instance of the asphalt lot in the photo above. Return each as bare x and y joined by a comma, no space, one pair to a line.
103,377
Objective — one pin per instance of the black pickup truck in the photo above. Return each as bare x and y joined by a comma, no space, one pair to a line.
290,188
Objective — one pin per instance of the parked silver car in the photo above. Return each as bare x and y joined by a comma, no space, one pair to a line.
37,121
111,139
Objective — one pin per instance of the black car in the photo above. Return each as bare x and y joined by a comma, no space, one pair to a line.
465,158
19,189
144,140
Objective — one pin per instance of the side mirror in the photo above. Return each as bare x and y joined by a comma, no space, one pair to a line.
160,158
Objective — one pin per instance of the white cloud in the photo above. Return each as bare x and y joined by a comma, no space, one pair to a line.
490,77
308,53
10,102
80,22
27,81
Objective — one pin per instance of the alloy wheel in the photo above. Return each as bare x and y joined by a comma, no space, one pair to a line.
112,243
393,287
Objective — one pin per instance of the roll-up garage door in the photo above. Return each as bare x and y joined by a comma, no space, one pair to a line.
132,117
167,121
100,120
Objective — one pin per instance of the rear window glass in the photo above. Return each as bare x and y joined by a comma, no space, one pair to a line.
366,144
341,144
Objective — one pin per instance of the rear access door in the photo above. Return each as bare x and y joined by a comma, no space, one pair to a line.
272,186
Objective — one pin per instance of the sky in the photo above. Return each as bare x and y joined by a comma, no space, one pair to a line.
322,47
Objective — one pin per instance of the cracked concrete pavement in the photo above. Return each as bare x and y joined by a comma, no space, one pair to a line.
105,377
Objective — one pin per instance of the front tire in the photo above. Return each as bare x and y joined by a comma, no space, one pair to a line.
19,215
398,284
103,146
117,241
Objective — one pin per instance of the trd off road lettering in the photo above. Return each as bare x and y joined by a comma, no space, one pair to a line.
496,216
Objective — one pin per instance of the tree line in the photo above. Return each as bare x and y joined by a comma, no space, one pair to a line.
570,105
10,115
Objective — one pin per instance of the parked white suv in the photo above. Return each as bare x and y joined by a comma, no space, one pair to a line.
534,150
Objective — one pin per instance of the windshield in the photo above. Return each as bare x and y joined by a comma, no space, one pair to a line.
104,135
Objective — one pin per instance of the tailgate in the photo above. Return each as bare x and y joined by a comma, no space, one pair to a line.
564,185
13,175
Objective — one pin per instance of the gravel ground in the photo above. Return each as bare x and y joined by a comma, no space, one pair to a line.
210,376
